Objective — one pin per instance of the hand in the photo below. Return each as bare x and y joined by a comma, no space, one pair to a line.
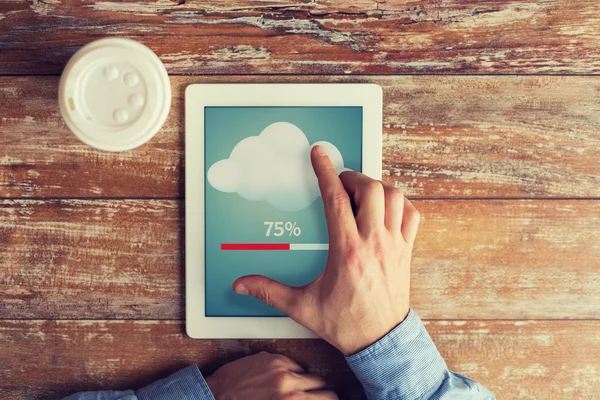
266,376
363,292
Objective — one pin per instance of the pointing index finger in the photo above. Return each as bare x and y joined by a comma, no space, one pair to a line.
338,211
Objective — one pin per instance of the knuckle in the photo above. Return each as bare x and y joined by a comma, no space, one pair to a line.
346,174
282,379
263,295
277,360
374,187
379,251
353,257
263,358
395,194
379,244
338,199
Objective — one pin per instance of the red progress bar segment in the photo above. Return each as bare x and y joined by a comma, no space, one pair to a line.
255,246
275,246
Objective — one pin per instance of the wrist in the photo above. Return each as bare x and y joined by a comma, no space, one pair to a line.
361,340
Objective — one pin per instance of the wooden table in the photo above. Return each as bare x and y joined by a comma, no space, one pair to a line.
491,124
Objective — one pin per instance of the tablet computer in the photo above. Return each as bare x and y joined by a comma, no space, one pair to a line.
252,201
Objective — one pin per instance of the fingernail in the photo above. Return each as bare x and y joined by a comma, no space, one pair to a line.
320,150
241,289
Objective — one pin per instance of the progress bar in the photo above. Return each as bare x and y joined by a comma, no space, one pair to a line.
274,246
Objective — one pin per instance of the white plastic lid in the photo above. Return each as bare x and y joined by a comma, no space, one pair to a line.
115,94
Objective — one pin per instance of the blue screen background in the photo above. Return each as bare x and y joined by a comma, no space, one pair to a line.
229,218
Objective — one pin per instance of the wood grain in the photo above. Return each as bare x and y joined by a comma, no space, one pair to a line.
86,259
504,139
514,359
310,37
82,259
518,137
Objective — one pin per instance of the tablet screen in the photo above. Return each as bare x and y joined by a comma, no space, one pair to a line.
263,211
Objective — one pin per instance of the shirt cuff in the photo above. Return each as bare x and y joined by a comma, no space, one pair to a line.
186,384
403,364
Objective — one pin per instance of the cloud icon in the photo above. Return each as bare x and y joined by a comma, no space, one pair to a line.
274,167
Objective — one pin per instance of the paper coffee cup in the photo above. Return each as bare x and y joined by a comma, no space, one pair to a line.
115,94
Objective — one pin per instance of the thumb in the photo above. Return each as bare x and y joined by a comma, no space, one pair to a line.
270,292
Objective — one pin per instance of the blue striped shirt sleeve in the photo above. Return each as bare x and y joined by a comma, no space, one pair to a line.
186,384
405,364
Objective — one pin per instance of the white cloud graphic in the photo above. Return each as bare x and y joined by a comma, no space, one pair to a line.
273,166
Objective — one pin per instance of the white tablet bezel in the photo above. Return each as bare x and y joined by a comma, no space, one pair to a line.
198,96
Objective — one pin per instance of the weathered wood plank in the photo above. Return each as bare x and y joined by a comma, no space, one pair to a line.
310,37
443,137
514,359
78,259
473,259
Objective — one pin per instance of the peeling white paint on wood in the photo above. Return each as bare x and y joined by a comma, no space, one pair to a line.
331,37
44,7
239,52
